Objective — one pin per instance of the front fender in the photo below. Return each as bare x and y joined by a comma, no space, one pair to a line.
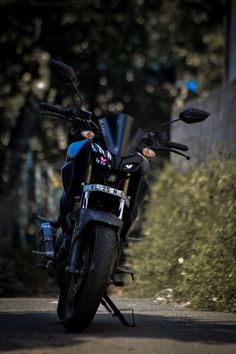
88,215
84,217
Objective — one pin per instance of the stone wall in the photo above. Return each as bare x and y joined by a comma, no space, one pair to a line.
216,133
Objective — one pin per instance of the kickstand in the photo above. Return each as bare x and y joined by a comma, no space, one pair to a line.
111,308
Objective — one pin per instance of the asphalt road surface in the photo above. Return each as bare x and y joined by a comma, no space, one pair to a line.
30,325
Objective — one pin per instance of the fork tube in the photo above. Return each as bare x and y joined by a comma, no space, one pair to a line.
126,184
89,170
85,200
121,208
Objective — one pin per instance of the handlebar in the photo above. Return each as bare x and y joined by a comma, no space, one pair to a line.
163,139
66,112
77,117
160,142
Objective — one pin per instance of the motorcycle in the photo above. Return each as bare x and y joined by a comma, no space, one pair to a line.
105,183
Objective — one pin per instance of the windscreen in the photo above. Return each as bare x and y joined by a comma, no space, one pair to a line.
121,134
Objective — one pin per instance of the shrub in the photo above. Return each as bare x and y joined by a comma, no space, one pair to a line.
189,237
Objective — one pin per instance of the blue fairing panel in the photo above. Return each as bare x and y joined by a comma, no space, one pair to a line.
75,148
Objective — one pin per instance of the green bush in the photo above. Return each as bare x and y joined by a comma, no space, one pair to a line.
189,238
19,275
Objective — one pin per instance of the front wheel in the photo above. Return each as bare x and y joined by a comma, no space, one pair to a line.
84,290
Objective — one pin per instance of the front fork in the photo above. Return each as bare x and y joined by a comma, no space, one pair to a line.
122,202
75,243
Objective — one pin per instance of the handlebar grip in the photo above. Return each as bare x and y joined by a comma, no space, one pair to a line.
172,144
66,112
53,108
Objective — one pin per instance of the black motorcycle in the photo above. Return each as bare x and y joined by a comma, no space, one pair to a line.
105,182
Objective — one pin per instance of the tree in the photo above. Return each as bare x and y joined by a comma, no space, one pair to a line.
130,56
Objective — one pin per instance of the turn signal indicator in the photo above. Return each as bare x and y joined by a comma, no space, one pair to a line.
87,134
148,152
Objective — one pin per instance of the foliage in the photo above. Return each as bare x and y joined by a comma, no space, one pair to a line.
189,240
20,275
131,56
127,54
201,46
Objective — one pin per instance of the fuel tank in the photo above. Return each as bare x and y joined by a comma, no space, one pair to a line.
74,169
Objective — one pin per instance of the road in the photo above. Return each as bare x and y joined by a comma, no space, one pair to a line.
30,325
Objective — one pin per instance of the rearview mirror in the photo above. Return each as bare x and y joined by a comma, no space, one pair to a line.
63,71
193,115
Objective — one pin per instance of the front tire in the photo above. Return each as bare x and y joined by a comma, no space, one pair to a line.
84,290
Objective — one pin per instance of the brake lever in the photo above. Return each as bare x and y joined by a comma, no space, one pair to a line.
179,153
159,147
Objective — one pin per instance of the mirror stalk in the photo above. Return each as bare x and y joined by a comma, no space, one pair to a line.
168,123
77,91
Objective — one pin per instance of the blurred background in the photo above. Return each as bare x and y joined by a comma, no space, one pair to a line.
150,59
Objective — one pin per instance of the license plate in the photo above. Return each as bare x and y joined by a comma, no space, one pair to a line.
106,189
